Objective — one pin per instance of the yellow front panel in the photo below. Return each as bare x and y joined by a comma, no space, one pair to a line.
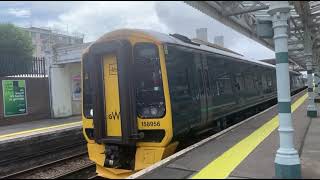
112,173
96,153
147,153
146,156
111,91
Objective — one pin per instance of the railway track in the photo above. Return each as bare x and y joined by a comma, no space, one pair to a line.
88,169
25,157
35,151
22,162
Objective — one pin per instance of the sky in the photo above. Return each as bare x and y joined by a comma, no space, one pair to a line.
95,18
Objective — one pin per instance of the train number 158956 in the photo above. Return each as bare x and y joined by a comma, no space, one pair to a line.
150,123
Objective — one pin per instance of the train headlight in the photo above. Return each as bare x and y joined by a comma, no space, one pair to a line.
91,112
146,111
154,111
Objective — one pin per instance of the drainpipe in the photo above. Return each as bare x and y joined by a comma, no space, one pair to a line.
51,62
287,162
50,93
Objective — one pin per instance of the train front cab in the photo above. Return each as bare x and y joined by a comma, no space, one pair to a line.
126,105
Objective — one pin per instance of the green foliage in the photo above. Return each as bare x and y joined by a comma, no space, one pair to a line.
15,44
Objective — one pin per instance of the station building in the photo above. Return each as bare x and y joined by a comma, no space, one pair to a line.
65,80
44,39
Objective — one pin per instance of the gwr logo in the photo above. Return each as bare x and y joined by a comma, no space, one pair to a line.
114,115
113,69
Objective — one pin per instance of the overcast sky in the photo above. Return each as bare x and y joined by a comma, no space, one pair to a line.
96,18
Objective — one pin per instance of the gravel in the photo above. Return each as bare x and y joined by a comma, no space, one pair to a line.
57,169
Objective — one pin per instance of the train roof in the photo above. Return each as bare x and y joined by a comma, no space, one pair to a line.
165,38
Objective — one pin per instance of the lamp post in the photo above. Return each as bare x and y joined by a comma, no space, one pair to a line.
287,162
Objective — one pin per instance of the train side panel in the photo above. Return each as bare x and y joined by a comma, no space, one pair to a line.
205,87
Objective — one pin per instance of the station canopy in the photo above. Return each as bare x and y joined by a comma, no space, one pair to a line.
243,17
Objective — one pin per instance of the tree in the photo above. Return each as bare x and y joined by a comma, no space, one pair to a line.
15,51
15,43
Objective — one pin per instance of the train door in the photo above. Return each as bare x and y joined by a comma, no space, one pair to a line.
202,89
206,85
111,93
110,73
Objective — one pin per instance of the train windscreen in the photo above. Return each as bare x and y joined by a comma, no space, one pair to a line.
148,82
87,92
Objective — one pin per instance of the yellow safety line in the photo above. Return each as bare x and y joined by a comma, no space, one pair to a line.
39,129
221,167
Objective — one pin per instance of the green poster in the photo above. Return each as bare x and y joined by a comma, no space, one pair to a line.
14,97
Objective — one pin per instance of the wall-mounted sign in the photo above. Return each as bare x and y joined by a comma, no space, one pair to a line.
76,87
14,97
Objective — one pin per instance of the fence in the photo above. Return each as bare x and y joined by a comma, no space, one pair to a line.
10,66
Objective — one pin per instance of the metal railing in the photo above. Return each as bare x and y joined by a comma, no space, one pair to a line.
11,66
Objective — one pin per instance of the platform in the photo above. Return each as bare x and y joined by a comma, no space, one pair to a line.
38,127
245,150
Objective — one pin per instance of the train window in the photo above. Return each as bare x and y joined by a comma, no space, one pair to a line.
188,80
179,71
239,80
220,75
269,80
221,80
206,76
200,81
87,93
269,87
148,81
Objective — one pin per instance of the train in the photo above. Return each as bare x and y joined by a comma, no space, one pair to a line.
144,91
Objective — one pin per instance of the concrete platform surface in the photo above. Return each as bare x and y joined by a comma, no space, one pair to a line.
259,163
310,156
